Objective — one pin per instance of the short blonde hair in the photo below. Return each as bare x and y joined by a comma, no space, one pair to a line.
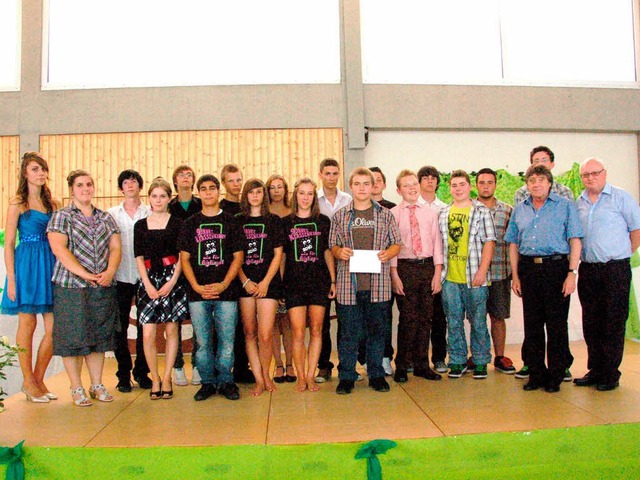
361,171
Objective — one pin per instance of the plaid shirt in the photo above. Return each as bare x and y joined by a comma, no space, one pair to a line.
523,192
481,230
386,233
87,240
500,266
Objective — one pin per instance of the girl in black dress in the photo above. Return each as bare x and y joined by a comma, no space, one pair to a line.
161,293
261,281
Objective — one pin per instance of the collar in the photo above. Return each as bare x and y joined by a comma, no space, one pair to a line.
553,196
606,190
376,206
419,204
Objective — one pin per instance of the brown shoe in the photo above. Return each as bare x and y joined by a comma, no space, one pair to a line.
324,375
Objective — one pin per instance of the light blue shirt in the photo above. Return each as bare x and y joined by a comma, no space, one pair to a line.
546,231
607,224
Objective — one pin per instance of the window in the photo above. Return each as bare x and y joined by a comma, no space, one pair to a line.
10,31
123,43
543,42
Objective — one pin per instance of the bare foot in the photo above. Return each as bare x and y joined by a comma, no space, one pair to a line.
269,386
290,371
257,390
301,386
312,385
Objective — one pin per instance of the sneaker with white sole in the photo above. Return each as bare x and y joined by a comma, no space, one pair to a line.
386,365
440,367
195,378
179,377
457,370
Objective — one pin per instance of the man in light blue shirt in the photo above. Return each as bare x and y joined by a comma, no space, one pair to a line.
544,236
610,218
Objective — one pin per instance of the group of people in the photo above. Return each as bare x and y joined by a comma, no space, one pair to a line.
261,264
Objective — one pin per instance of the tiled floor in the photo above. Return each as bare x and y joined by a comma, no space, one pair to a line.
417,409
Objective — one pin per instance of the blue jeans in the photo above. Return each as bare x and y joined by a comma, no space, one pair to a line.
222,316
459,301
363,320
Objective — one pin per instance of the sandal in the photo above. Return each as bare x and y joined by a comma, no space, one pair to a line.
167,394
83,401
290,378
103,396
279,378
156,395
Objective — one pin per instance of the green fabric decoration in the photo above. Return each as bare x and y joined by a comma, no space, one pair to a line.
633,322
12,457
370,451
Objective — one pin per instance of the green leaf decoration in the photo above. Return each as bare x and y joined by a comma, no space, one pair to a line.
12,457
370,451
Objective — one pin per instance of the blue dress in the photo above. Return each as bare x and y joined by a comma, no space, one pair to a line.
33,267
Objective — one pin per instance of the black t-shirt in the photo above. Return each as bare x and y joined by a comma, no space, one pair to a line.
232,208
176,209
211,243
387,204
155,244
306,240
261,236
362,232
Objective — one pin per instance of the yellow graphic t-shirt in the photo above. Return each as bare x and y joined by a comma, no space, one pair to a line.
458,244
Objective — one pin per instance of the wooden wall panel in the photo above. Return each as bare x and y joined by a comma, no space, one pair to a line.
10,163
259,153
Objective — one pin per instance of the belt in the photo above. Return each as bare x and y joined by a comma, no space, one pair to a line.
604,264
34,237
417,261
166,261
543,259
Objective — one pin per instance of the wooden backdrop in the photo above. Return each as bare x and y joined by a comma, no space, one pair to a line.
9,165
292,153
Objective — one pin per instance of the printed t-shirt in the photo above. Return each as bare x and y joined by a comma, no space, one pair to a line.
306,240
261,235
211,242
458,250
362,233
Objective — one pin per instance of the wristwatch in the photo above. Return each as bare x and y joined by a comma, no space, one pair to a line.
575,272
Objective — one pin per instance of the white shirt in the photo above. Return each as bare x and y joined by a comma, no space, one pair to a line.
436,205
342,200
128,271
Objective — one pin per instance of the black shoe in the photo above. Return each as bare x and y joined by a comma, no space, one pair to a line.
587,381
531,385
230,391
606,387
552,388
124,386
206,390
379,384
144,382
243,376
427,374
400,376
345,387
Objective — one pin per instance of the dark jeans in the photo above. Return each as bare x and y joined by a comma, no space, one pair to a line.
544,305
603,289
388,346
365,319
438,331
416,309
324,361
126,292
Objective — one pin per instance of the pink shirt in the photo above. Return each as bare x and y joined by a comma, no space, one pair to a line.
429,233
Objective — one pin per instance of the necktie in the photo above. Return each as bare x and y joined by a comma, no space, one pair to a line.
416,242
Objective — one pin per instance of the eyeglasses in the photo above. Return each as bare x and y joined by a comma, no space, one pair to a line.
185,175
586,175
541,160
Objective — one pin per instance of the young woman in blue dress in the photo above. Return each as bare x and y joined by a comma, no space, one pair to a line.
28,288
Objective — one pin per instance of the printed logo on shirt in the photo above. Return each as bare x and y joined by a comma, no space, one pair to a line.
209,238
361,222
305,241
457,222
255,242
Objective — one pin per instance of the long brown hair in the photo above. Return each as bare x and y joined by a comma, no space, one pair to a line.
249,185
23,187
315,208
286,199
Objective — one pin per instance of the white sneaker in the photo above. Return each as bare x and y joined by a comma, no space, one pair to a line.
440,367
386,365
195,378
179,377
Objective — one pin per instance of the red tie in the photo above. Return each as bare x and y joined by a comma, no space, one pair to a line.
416,242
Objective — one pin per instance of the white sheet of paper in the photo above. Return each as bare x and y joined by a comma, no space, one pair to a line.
365,261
